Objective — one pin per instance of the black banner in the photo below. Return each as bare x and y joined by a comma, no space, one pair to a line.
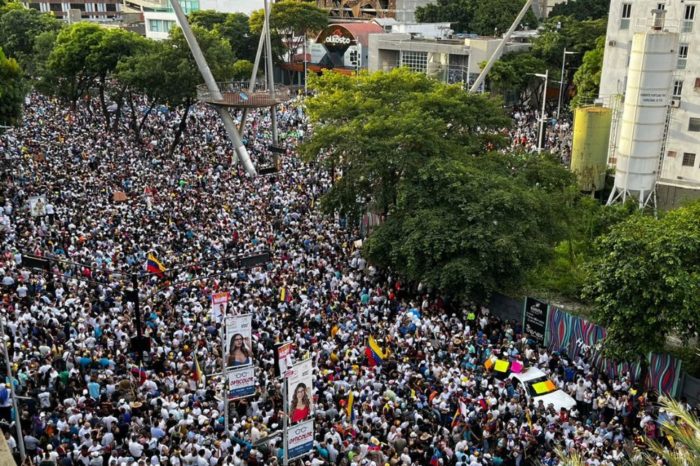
535,319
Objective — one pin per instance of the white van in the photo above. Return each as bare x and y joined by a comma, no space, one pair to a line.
538,386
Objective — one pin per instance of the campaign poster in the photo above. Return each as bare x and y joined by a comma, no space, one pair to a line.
283,359
535,319
239,347
37,205
219,305
241,382
300,439
299,392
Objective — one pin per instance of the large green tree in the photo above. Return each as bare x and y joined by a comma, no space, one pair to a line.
515,73
114,46
582,9
234,27
470,226
291,20
19,30
67,73
587,76
377,130
12,90
644,283
482,17
563,32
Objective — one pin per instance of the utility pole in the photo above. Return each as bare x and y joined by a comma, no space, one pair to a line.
540,136
561,83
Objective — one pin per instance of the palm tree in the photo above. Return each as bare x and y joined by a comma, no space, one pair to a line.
683,431
683,434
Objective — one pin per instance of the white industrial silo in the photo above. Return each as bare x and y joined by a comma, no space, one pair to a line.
642,128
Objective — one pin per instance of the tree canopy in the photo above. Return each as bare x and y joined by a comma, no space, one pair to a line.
19,30
582,9
460,217
292,20
12,90
563,32
380,128
483,17
644,284
587,77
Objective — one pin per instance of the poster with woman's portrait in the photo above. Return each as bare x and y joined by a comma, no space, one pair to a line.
300,392
239,345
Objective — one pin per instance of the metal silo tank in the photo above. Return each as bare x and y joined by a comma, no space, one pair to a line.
589,151
652,63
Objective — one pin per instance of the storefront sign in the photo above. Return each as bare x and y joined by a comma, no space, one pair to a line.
535,319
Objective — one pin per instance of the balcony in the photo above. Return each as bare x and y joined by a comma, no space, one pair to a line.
236,94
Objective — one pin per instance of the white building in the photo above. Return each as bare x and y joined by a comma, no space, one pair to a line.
159,17
680,165
431,48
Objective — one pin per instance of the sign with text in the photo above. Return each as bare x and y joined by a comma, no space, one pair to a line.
299,391
535,319
241,382
300,439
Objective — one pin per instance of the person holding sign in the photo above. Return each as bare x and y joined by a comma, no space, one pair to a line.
239,354
300,407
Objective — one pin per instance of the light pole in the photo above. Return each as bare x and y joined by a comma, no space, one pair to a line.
561,83
540,136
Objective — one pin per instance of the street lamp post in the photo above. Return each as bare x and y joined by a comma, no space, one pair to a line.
561,83
540,135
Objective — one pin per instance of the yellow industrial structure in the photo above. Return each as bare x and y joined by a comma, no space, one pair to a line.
590,146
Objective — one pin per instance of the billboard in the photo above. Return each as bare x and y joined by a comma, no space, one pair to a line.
299,392
283,359
241,382
535,319
300,439
238,343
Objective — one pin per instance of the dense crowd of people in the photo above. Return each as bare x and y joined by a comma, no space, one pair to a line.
97,203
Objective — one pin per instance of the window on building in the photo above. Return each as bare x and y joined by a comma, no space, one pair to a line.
660,6
626,15
697,83
682,56
415,61
688,18
78,6
55,6
688,159
671,154
155,25
110,6
694,125
677,88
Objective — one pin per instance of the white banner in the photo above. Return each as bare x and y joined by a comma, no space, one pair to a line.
299,392
241,382
238,343
300,439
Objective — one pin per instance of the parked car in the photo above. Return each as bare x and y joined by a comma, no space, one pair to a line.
539,387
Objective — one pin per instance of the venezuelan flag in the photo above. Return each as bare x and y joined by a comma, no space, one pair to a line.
375,355
348,408
153,265
197,374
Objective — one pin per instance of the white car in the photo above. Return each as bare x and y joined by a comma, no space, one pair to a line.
538,386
